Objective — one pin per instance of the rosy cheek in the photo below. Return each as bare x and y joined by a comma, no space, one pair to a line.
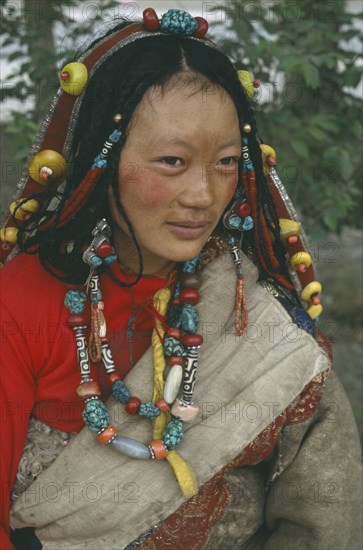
146,190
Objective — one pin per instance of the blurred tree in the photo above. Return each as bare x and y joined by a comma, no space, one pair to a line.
28,42
305,55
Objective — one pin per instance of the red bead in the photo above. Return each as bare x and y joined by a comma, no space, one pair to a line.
104,250
192,340
107,434
78,320
151,20
133,405
190,295
64,76
114,377
175,361
202,27
174,332
162,406
244,209
301,268
256,83
315,300
270,161
88,389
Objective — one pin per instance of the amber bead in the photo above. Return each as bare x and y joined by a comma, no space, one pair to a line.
174,332
192,340
133,405
190,280
107,434
114,377
175,360
158,448
162,405
189,295
88,389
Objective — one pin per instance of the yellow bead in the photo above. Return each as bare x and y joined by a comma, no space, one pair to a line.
73,78
300,258
9,234
51,161
312,288
288,228
267,154
315,311
25,209
246,80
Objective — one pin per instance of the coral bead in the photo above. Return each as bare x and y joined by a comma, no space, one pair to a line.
270,161
315,300
158,449
104,250
244,209
9,234
174,332
73,78
189,295
88,389
151,20
107,434
50,159
133,405
193,340
175,361
202,27
78,320
114,377
162,405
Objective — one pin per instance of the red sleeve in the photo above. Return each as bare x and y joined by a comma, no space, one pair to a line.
17,395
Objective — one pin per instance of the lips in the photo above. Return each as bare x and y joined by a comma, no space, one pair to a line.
188,229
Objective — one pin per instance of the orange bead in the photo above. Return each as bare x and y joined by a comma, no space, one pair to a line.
107,434
88,389
159,449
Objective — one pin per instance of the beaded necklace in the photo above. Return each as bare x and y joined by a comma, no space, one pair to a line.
179,350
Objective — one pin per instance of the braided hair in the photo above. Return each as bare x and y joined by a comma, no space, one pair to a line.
118,86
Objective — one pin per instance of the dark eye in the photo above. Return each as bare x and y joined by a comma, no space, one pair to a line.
228,161
170,161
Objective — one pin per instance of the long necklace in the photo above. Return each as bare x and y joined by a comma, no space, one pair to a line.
180,346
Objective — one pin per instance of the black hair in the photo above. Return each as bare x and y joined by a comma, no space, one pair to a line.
118,86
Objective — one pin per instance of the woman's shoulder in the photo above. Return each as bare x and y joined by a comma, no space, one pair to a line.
24,282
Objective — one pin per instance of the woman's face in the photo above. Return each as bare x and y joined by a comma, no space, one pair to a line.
178,171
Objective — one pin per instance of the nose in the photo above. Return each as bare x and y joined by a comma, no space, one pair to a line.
198,191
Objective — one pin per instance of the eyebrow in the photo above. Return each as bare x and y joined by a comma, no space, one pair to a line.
176,141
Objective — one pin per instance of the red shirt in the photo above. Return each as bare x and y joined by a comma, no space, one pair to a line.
39,369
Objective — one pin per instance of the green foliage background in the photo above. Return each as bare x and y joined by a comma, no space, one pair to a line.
303,52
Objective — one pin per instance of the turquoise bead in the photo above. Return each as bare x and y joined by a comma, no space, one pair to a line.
176,21
95,415
150,410
120,392
189,319
75,301
173,434
173,347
